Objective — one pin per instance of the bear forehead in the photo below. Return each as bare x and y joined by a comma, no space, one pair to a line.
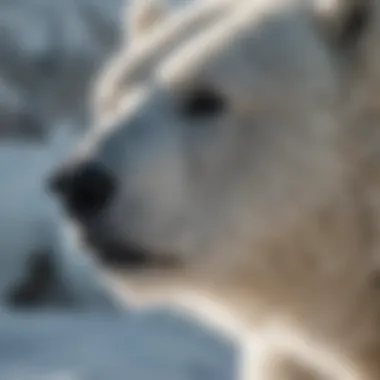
255,46
268,46
265,37
134,62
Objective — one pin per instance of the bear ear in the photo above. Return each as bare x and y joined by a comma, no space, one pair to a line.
344,22
144,15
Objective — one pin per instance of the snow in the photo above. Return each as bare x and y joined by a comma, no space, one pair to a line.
151,346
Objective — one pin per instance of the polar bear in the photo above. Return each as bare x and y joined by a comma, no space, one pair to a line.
232,168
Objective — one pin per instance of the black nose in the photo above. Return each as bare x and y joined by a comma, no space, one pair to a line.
84,188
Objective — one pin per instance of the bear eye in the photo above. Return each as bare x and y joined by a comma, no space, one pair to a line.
203,103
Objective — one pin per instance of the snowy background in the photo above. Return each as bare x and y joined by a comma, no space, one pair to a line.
68,346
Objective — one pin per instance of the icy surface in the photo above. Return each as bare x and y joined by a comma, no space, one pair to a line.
102,347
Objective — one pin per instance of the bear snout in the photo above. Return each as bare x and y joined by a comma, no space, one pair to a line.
84,188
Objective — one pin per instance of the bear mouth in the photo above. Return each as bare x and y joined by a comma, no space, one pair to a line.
126,255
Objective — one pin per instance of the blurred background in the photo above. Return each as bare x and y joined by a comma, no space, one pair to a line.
57,321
